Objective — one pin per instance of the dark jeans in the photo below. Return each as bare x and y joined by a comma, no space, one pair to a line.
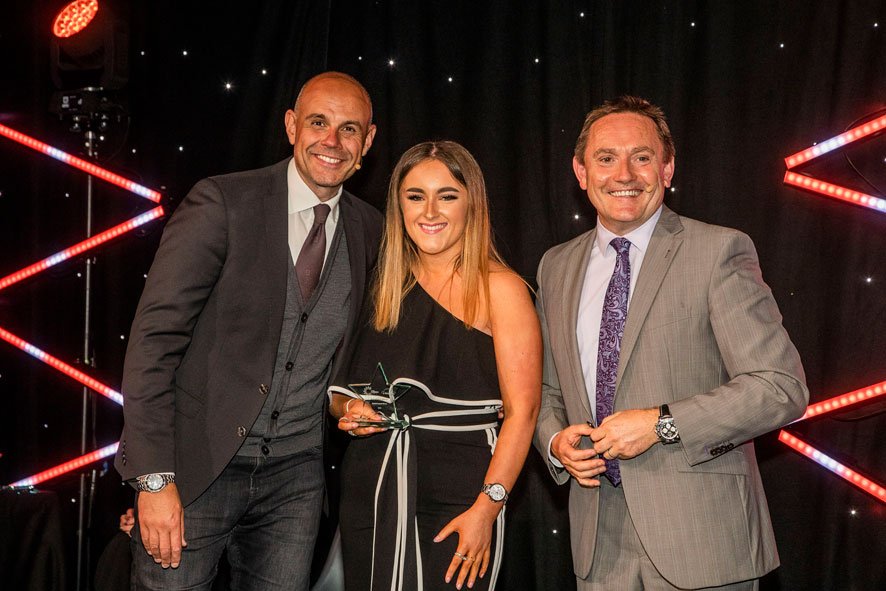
265,511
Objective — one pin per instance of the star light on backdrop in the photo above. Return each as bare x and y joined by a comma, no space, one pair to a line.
818,409
77,249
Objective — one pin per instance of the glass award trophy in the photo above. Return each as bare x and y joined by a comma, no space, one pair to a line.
382,397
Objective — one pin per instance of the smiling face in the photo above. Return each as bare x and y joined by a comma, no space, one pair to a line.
623,172
435,209
330,132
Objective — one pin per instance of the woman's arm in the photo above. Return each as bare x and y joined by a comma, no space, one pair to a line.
518,354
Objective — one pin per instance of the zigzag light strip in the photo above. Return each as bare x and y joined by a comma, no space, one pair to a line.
83,165
67,466
81,247
61,366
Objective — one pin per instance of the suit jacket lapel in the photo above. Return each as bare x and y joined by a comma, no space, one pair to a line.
576,267
663,247
356,240
275,212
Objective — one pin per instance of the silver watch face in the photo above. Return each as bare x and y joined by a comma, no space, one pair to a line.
496,492
154,482
666,430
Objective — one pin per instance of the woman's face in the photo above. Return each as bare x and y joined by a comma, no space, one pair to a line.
435,208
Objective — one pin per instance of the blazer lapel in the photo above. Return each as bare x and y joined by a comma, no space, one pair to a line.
663,247
276,221
574,276
356,240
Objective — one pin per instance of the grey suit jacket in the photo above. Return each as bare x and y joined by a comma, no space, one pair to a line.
204,339
704,335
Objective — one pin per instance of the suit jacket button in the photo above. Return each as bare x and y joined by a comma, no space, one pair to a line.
263,389
241,431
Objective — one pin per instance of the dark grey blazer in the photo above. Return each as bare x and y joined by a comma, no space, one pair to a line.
204,339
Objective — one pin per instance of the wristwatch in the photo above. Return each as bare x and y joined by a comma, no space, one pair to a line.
496,492
153,482
665,427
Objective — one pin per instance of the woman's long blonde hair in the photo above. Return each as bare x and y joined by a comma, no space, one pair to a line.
399,256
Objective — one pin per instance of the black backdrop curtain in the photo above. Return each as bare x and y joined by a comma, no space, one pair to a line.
744,84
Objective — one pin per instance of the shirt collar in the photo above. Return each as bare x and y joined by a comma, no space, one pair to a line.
302,198
639,237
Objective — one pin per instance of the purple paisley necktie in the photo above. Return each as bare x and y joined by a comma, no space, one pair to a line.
612,325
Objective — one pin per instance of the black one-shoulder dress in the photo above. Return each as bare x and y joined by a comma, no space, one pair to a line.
402,486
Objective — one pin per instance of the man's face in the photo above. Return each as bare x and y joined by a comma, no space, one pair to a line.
330,133
623,171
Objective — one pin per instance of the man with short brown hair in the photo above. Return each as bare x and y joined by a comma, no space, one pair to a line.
664,357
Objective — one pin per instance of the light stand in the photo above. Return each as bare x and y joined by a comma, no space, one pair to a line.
90,110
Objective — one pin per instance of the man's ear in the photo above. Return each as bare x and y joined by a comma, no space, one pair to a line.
581,173
289,125
370,135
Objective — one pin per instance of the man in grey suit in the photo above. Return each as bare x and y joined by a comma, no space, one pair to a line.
664,357
256,284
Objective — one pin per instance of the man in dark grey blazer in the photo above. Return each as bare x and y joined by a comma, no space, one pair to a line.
256,284
664,357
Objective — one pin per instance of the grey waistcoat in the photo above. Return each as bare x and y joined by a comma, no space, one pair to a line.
292,417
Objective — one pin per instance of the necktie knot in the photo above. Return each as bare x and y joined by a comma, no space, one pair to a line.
621,245
321,212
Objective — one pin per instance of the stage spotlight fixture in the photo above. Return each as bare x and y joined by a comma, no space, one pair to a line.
74,17
89,47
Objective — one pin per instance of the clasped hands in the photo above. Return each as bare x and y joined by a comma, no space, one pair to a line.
623,435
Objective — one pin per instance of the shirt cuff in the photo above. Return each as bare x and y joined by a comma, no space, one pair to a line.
551,457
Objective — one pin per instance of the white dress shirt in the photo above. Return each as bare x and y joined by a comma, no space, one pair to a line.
593,292
301,202
590,306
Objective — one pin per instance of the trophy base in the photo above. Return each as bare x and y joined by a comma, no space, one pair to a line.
384,424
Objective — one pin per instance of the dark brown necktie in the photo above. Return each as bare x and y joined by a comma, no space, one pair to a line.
313,251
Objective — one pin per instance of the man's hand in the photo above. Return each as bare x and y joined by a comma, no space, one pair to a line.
161,521
127,521
582,464
626,434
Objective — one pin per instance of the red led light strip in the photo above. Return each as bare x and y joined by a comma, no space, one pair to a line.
83,165
61,366
81,247
854,134
840,402
68,466
836,191
851,476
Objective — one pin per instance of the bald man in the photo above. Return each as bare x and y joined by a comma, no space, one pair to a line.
231,349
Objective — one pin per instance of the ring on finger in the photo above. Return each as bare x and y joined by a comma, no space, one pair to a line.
462,556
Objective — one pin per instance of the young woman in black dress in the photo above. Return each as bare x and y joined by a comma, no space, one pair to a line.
455,332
